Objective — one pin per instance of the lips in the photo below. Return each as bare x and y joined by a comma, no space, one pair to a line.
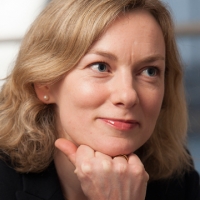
121,124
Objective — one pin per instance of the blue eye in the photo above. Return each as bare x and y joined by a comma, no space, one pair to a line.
151,71
101,67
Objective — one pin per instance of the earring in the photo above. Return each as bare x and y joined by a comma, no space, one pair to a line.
46,97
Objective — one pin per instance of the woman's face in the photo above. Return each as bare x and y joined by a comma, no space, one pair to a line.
111,100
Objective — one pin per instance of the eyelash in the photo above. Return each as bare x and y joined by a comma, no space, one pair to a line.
157,70
100,63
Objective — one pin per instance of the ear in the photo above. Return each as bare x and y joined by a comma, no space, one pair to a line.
43,93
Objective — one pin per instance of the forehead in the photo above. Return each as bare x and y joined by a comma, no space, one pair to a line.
136,32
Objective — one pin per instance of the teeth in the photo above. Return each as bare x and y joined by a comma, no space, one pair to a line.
111,122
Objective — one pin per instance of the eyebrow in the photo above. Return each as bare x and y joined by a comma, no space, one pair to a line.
104,54
153,58
148,59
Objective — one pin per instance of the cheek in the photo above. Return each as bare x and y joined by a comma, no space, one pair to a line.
85,95
151,102
78,102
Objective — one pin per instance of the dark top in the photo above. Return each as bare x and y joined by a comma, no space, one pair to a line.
46,186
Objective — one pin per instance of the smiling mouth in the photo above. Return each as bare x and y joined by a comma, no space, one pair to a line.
121,124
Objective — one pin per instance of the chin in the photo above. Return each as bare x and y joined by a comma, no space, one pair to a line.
116,150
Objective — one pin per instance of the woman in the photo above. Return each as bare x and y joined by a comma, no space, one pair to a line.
102,80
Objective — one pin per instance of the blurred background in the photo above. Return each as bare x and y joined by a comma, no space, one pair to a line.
17,15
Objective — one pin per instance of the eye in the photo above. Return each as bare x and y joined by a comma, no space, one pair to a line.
151,71
101,67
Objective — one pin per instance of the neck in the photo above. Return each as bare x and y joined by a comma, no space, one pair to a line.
69,182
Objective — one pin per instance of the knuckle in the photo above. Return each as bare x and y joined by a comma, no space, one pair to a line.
121,168
86,168
106,164
147,176
139,171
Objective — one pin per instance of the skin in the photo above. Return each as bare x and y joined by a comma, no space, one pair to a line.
106,106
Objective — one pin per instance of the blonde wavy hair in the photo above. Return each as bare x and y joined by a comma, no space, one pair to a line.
56,41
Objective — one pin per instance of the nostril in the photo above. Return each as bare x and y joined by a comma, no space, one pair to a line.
120,104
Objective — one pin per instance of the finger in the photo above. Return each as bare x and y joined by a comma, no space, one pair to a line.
84,156
105,161
122,156
121,159
120,164
68,148
84,153
102,156
134,160
146,176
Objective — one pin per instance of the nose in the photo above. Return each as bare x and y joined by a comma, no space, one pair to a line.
124,91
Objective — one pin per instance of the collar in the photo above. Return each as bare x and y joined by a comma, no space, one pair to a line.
41,186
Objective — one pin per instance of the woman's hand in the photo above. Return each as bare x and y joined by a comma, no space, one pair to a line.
103,177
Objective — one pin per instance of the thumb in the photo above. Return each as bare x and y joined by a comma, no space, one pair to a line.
68,148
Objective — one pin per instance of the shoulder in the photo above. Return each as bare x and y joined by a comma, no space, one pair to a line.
10,181
186,187
43,185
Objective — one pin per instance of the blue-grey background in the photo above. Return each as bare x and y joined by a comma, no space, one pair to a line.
188,12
